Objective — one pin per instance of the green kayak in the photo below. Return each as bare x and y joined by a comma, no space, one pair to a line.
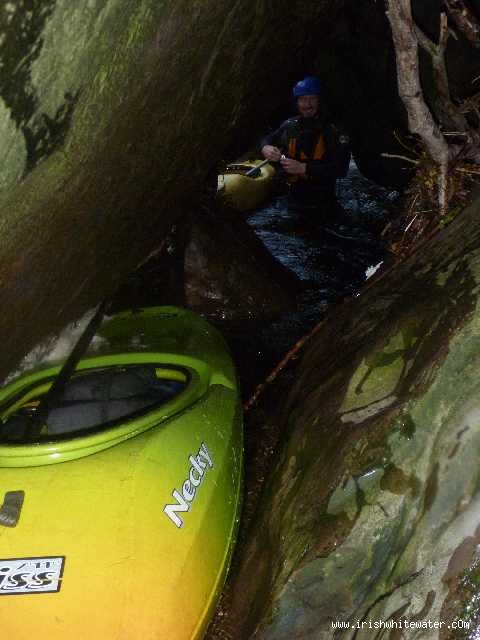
243,192
119,512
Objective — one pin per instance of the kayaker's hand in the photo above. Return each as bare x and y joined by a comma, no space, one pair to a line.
271,153
293,167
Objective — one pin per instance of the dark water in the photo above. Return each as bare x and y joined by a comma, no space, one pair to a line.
331,266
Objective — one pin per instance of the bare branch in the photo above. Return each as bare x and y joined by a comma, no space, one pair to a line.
407,37
443,198
420,119
424,41
445,111
472,172
410,223
465,20
444,33
399,157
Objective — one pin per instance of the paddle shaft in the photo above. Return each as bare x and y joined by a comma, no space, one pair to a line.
48,400
251,172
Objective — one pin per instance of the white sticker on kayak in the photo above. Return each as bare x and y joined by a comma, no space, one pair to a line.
184,497
31,575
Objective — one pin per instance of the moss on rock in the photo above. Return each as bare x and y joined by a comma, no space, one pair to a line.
395,487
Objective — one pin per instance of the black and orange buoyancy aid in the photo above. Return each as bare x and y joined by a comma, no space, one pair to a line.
318,153
322,146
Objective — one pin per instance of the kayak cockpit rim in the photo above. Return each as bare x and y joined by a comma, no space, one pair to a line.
193,378
243,169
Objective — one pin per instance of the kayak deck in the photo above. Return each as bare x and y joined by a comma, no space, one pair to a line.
241,192
129,516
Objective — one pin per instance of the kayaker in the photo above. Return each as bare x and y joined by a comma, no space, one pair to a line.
312,153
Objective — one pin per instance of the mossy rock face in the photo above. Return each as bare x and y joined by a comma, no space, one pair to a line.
112,114
372,510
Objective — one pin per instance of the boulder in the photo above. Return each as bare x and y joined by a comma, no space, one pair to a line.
229,273
371,511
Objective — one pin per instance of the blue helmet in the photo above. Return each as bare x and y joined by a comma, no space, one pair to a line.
309,86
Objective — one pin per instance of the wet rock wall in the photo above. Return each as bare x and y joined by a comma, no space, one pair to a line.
112,114
371,511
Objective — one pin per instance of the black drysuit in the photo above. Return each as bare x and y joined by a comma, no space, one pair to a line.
325,150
